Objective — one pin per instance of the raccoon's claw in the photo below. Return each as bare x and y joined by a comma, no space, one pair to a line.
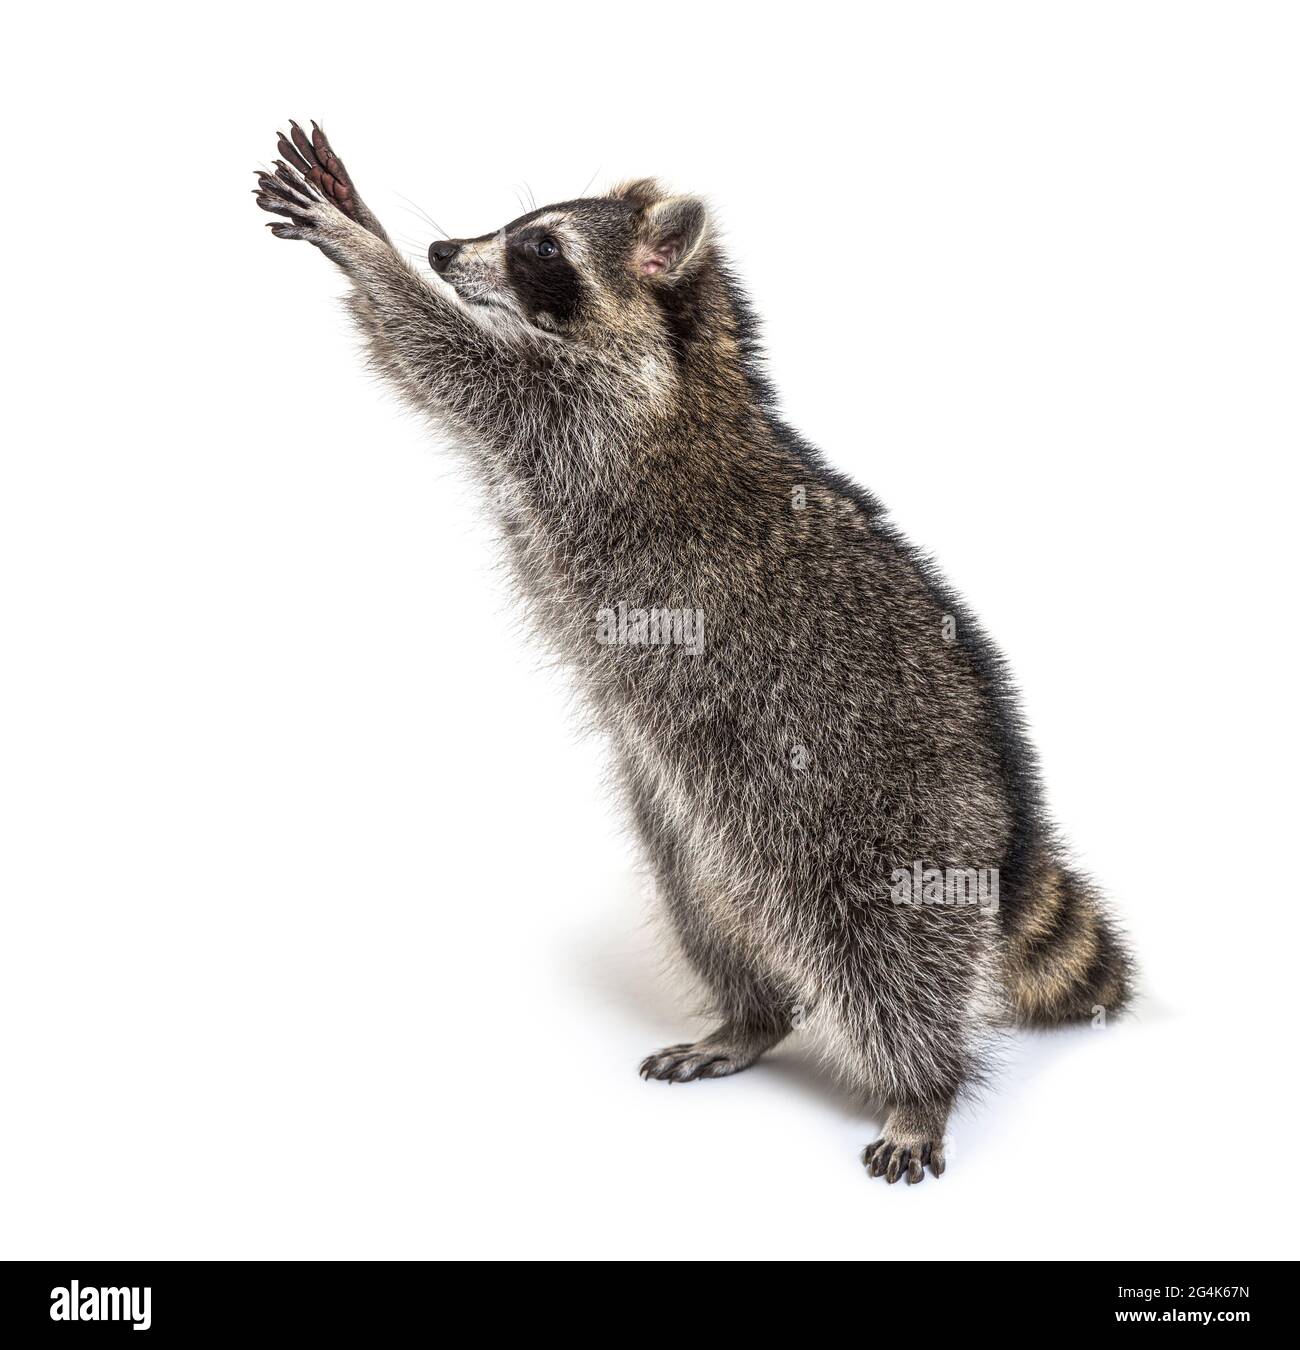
701,1059
890,1160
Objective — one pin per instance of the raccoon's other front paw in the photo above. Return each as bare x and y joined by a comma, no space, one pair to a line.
697,1059
891,1160
308,215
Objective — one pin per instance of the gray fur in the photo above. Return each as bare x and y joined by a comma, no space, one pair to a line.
843,719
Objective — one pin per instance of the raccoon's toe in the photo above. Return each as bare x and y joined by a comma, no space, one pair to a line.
887,1159
686,1063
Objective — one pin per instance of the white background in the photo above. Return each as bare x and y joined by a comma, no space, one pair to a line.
319,938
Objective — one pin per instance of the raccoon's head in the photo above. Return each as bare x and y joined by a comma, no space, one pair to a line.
586,269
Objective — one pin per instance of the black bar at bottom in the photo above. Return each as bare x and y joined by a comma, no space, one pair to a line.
180,1302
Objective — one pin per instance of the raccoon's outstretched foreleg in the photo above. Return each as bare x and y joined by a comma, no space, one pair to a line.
479,368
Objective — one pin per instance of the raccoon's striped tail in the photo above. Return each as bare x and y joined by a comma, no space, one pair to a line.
1064,960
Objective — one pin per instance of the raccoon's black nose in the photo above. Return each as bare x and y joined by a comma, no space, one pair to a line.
441,253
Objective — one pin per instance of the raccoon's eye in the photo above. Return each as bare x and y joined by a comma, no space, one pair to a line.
547,248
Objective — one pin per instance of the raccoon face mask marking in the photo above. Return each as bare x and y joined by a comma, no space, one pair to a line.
589,269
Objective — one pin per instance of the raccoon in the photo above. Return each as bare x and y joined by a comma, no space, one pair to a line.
835,743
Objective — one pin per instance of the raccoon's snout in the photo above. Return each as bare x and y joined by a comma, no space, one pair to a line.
441,252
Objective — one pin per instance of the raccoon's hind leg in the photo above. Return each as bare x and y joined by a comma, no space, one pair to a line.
909,1016
755,1009
913,1140
756,1014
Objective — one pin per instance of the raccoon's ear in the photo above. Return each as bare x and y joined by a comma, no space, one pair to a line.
674,238
639,192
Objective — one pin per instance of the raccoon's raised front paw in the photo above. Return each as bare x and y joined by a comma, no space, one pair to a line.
697,1059
891,1160
316,161
317,199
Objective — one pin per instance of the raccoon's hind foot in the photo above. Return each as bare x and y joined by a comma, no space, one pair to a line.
913,1141
721,1053
891,1161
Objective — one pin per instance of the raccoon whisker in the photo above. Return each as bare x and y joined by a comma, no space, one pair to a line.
428,218
589,181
